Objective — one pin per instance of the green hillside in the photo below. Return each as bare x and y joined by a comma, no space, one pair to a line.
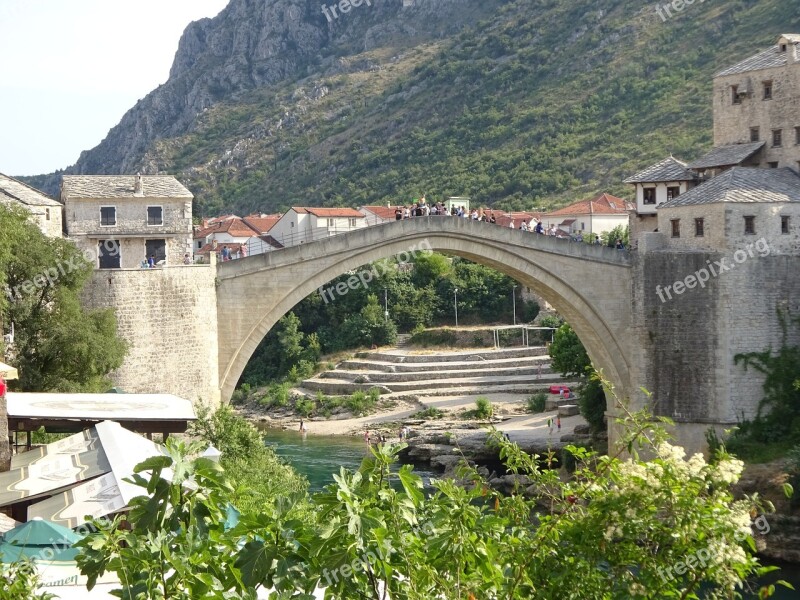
546,101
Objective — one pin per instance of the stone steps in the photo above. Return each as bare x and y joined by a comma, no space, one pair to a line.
526,382
411,367
466,356
430,375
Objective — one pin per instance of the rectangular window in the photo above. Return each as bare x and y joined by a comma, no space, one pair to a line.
777,138
108,216
699,227
155,215
108,254
773,165
676,228
767,90
649,195
331,222
352,222
735,97
749,225
583,226
157,249
755,134
784,224
797,135
47,214
673,192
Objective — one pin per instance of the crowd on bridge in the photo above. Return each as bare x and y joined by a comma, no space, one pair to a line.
485,215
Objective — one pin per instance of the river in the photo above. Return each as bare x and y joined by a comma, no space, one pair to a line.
318,457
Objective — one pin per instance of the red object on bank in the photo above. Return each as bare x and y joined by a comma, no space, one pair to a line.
2,387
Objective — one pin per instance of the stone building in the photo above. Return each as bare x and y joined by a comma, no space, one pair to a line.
756,101
123,219
656,185
45,212
722,265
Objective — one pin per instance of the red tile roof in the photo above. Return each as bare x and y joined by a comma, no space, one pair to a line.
604,204
234,226
382,212
261,223
328,212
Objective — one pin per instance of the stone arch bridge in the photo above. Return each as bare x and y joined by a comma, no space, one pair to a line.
591,286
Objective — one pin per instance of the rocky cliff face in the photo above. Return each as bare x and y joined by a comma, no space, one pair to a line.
254,43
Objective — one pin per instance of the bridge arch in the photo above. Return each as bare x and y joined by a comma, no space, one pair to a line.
589,285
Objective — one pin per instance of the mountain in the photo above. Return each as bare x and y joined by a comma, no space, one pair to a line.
517,103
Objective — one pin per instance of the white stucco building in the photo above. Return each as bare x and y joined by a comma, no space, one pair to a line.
300,225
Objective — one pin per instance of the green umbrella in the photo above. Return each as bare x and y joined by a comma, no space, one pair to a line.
39,539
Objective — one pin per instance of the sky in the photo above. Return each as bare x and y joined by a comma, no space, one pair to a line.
69,70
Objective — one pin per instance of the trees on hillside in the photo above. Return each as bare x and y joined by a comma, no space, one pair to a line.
58,345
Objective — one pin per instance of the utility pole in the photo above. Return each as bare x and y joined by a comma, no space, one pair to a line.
514,302
386,303
455,303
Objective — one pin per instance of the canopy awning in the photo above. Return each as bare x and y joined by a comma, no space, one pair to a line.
145,413
8,372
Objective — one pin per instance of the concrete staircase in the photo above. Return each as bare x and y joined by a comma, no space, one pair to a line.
512,370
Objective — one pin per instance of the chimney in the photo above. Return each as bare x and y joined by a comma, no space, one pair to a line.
137,186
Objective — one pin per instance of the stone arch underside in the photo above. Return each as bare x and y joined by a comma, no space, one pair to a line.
593,296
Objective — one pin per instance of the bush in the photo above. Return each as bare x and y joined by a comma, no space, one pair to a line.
536,403
429,413
483,408
360,403
434,337
304,406
374,394
278,395
592,403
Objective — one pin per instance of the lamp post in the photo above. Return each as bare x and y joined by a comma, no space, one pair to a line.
386,303
455,303
514,302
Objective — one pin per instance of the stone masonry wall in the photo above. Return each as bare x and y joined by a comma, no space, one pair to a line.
169,319
732,122
691,338
83,225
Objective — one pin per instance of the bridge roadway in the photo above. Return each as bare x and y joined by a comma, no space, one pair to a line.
591,286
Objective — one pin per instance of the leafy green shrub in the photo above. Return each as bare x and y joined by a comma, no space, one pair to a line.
304,406
238,397
592,403
374,394
360,402
434,337
483,408
536,403
429,413
278,395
